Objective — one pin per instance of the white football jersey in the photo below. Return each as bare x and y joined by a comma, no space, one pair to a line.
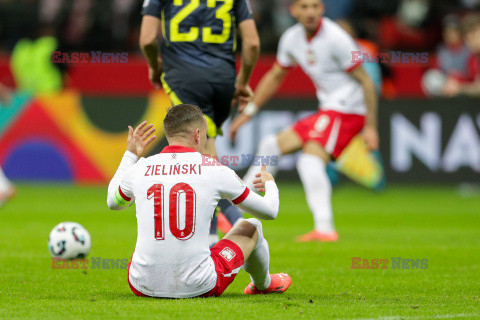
326,58
176,193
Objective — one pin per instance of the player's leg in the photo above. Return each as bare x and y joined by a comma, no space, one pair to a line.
311,168
329,133
221,99
216,112
229,211
244,246
274,145
248,236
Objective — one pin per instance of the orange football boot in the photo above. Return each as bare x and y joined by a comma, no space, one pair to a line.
280,283
318,236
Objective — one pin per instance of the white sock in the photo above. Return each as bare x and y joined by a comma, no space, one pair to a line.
4,182
318,191
257,265
268,147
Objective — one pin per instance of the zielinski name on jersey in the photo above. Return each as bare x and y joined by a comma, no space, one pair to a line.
176,169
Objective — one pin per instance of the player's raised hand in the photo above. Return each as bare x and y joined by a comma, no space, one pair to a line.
452,87
370,135
242,96
140,138
237,123
155,74
262,177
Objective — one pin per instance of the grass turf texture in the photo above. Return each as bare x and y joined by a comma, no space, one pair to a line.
409,222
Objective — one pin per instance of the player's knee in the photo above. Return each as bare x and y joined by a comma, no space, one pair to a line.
257,224
269,143
315,149
312,170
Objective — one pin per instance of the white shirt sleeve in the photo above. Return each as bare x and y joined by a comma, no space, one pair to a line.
234,189
120,189
343,48
284,58
231,186
265,207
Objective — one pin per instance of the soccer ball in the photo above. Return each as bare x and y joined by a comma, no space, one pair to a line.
69,240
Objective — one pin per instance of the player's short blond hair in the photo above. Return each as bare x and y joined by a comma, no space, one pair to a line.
180,118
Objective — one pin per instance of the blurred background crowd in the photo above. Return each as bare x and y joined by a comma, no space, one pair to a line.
434,26
113,24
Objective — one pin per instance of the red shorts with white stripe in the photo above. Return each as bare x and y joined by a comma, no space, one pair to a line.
333,130
228,259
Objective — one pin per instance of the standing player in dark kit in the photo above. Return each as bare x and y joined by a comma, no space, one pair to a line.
197,62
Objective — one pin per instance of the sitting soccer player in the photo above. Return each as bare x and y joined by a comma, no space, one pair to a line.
176,192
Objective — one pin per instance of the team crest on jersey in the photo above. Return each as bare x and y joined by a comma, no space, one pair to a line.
227,253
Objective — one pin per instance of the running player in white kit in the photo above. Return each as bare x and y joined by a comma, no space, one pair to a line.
176,192
348,106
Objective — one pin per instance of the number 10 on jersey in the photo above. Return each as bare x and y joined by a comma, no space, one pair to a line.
177,192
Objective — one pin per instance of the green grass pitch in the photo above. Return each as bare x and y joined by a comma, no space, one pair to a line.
432,223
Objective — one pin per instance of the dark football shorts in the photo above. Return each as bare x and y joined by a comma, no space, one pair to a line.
209,89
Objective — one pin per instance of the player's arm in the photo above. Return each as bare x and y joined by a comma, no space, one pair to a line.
265,207
149,45
266,88
269,84
120,193
250,53
234,189
370,132
453,88
471,89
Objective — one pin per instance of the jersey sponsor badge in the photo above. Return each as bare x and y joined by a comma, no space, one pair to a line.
227,253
